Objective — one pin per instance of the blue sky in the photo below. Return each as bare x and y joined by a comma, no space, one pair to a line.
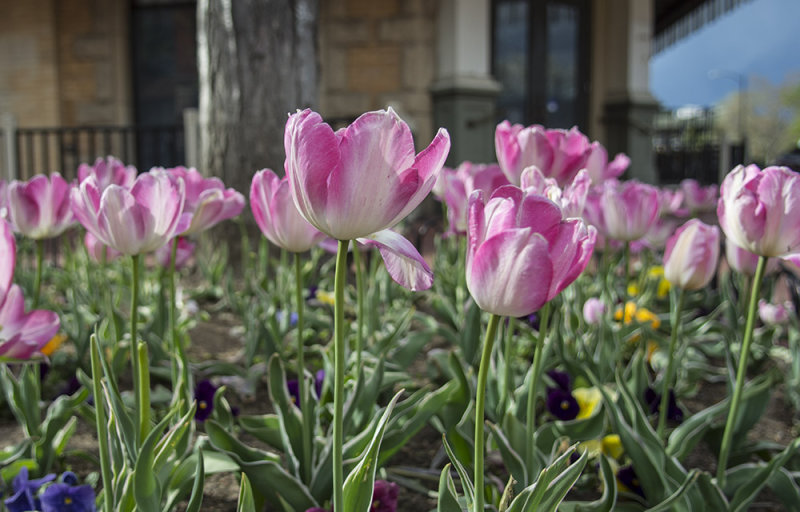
761,37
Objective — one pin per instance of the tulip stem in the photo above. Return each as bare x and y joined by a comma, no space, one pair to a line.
302,389
144,391
180,364
37,283
727,437
508,356
667,379
338,378
360,306
480,404
100,423
533,384
627,267
134,335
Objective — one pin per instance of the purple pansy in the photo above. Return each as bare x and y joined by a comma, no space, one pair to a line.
24,497
204,393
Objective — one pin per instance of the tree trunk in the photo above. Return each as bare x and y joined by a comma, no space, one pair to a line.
257,62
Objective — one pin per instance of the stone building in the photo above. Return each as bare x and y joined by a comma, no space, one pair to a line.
462,64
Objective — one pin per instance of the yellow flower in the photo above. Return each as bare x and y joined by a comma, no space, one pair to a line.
52,345
633,289
612,446
644,316
663,288
629,312
641,315
655,271
588,400
326,297
593,446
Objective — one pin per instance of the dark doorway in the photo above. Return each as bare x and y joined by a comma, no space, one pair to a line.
164,48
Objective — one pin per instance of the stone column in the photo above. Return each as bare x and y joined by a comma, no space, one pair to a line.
464,92
622,39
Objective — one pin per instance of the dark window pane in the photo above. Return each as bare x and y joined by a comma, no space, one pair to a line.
561,71
164,39
511,58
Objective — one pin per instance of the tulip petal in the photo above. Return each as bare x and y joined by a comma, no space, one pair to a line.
377,153
85,202
403,262
510,273
124,223
312,156
570,250
8,259
24,333
427,166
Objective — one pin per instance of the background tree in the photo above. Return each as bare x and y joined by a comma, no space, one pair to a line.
770,121
257,61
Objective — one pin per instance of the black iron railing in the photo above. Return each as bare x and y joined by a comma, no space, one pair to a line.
62,149
692,147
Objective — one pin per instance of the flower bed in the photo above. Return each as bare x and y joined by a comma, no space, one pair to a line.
571,342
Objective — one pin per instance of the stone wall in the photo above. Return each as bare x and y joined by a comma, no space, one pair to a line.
28,60
94,62
375,54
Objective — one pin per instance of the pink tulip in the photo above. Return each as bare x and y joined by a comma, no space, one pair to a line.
132,221
183,253
624,211
697,198
559,154
671,202
758,211
691,256
95,248
207,203
23,334
593,310
359,181
744,261
571,199
520,252
277,216
108,171
3,199
39,208
774,314
456,185
658,234
600,169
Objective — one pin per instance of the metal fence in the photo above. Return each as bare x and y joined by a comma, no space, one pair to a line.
691,147
26,152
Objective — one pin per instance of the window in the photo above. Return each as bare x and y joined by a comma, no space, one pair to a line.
540,55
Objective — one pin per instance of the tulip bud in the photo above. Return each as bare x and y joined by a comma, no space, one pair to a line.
691,256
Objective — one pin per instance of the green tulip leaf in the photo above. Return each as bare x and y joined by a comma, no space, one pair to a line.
246,502
359,484
448,496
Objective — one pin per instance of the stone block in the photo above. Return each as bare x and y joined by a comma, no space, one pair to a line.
405,30
104,80
333,69
347,32
94,113
373,69
415,102
344,104
91,47
419,67
372,8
